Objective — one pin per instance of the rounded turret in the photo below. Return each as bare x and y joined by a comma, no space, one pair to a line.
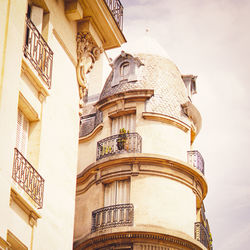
144,186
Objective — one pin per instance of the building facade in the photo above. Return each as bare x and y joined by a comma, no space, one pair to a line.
140,185
46,49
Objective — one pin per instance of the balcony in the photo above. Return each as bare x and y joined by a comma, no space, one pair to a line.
118,144
201,234
37,51
28,178
196,159
113,216
116,9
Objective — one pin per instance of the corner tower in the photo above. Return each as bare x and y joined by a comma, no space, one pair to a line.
141,186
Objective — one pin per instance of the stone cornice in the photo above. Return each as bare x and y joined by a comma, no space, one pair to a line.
166,119
171,239
142,164
26,206
131,95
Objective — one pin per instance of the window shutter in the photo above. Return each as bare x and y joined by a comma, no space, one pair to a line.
37,17
22,133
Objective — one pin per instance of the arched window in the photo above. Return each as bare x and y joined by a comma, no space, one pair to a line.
124,70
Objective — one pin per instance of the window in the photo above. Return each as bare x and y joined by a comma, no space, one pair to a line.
36,49
126,121
124,70
117,192
40,18
22,132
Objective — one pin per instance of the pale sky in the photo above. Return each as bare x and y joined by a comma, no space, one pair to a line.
211,39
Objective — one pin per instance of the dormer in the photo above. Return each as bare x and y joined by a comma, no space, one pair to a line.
190,83
125,69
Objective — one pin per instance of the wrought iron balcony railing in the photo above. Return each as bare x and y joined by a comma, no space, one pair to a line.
201,234
113,216
117,144
38,52
28,178
116,10
196,159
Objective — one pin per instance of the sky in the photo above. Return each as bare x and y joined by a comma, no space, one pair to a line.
211,39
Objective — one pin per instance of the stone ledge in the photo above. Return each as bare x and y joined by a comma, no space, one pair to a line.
140,234
166,119
25,205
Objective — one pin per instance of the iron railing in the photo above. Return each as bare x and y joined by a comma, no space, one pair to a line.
201,234
196,159
38,52
28,178
113,216
117,144
116,10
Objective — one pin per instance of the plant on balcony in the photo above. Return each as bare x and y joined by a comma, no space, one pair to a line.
122,139
106,150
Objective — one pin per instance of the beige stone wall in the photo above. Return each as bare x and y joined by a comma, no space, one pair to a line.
86,203
176,204
12,24
164,139
54,120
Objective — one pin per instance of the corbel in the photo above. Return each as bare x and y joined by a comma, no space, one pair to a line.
88,52
135,169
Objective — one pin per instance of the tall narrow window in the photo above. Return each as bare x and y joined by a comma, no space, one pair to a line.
124,70
22,132
117,192
126,121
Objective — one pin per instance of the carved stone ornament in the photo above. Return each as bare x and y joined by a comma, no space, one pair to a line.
87,54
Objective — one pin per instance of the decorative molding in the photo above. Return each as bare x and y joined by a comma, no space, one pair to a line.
34,79
127,96
73,10
27,208
87,54
27,108
143,164
166,119
135,237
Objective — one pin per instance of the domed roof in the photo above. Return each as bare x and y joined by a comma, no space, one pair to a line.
151,72
145,45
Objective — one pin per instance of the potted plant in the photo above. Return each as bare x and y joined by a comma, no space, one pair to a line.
122,138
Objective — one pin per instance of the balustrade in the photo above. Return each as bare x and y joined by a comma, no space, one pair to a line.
196,159
113,216
116,9
28,178
117,144
201,234
38,52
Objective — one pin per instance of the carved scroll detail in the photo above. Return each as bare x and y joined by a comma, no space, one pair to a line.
87,54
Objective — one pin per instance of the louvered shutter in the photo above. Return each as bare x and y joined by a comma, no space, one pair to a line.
22,133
